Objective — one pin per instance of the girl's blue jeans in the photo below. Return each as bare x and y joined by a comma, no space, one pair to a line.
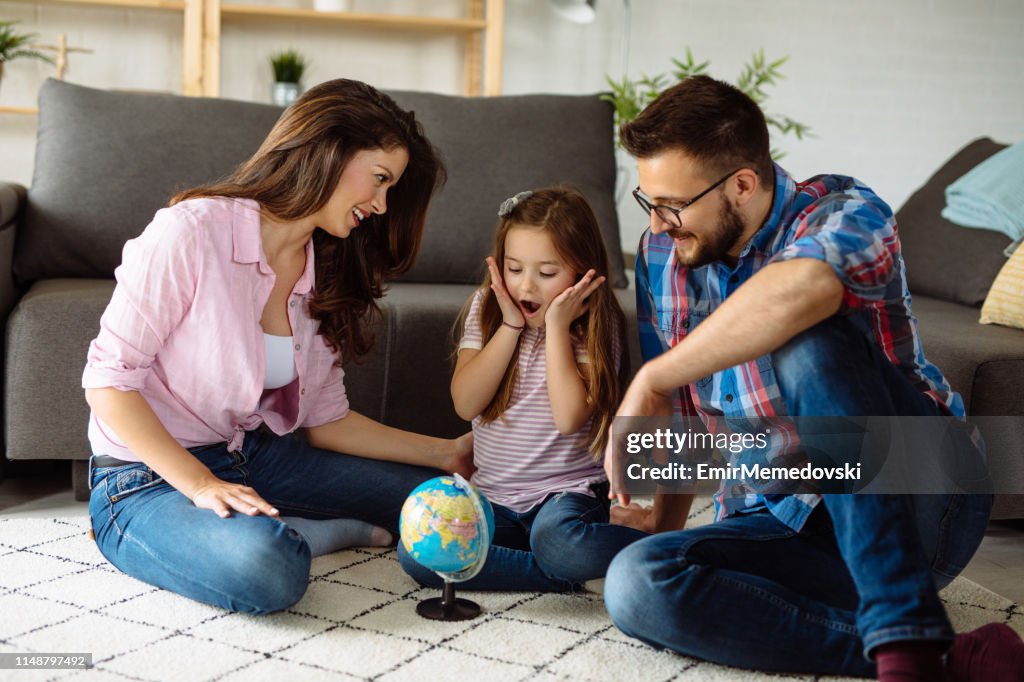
554,547
253,564
863,571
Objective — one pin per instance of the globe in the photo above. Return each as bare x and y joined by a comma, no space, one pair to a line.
446,525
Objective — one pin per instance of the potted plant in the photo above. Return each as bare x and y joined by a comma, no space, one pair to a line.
14,45
629,97
288,66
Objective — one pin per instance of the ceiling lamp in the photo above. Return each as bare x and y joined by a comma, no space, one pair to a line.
576,11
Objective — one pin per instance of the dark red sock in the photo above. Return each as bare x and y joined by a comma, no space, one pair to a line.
993,653
909,662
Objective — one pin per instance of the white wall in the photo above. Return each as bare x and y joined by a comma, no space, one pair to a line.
889,88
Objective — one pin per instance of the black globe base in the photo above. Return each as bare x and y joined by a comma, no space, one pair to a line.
448,607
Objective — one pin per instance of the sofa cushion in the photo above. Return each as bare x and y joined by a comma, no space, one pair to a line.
984,363
107,161
404,381
943,259
495,147
1005,301
48,335
45,414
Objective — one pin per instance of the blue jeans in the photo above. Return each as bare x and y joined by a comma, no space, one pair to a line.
863,571
554,547
253,564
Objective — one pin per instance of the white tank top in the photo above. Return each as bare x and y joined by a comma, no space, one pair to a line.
280,367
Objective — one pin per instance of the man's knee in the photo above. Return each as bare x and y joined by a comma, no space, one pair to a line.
811,357
630,593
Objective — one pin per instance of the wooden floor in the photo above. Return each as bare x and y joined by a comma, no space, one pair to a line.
998,564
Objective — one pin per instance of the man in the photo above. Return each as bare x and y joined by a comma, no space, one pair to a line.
758,296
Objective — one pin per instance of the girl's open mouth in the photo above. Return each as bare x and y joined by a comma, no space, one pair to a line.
529,307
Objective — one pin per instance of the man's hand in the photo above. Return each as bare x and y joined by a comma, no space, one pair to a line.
641,400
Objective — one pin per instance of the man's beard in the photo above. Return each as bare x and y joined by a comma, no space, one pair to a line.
715,245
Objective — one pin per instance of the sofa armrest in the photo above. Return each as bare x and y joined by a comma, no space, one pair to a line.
13,198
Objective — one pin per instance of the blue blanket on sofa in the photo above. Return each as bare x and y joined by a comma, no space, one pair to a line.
991,195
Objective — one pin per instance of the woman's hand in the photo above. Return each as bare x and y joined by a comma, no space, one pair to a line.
460,459
510,311
572,302
223,497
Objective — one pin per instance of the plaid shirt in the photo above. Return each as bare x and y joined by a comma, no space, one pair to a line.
832,218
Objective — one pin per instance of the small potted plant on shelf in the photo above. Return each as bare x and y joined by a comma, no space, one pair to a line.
288,68
14,45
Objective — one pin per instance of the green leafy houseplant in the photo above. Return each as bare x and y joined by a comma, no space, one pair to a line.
629,97
288,66
14,45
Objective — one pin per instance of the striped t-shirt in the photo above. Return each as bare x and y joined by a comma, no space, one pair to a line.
520,457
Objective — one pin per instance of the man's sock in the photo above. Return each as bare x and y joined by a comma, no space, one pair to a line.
329,535
993,653
909,661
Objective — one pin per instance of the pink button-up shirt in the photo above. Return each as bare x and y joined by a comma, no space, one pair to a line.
183,329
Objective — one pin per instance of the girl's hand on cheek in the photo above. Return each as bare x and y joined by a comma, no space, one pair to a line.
509,310
571,303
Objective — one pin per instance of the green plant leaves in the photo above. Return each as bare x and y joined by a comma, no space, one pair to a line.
14,45
288,66
630,97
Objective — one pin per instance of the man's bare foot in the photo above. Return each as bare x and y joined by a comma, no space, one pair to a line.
633,516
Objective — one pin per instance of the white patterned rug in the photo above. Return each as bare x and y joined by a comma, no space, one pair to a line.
356,622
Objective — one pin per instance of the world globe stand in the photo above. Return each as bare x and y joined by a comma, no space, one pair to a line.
441,534
448,606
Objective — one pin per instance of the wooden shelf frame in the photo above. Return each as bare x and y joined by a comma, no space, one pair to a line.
177,5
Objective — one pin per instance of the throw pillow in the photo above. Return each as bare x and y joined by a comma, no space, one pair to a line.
1005,302
945,260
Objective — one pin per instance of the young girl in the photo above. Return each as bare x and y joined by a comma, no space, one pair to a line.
541,365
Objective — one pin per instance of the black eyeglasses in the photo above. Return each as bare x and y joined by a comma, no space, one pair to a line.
671,215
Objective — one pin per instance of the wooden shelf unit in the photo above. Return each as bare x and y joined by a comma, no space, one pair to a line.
482,28
192,34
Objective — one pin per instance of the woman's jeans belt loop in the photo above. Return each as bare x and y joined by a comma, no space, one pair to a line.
104,462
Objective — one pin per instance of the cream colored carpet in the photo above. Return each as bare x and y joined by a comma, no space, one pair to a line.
356,622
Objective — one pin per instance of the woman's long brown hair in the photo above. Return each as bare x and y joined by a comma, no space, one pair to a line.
296,170
565,216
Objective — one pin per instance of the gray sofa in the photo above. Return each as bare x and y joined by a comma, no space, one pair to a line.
106,161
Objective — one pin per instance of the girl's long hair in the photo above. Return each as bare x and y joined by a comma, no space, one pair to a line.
296,170
565,216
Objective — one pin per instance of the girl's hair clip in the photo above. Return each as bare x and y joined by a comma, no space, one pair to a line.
509,205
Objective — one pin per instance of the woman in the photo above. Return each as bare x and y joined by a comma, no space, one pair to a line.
226,332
